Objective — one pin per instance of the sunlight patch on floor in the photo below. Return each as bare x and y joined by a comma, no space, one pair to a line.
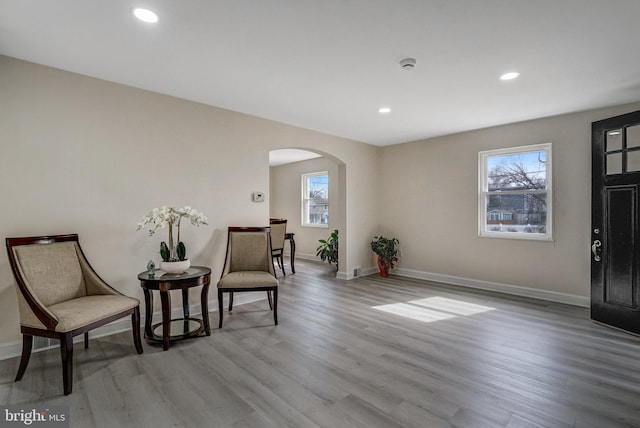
451,305
433,309
414,312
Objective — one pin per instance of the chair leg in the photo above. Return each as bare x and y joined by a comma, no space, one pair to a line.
86,340
220,308
27,344
230,301
269,299
275,305
66,351
135,326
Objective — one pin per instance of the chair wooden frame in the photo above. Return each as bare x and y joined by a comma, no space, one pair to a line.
273,300
278,252
50,322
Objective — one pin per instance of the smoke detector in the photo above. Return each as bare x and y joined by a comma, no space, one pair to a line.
408,63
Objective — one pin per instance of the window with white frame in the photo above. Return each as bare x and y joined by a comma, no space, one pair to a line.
514,198
315,199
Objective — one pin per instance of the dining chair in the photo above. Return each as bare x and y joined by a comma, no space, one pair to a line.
60,296
278,233
248,266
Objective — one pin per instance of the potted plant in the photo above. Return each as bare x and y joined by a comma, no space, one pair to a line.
386,249
328,249
174,255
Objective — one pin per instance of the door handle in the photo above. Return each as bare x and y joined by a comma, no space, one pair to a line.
595,249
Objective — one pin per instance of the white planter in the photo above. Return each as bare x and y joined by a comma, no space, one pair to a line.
175,267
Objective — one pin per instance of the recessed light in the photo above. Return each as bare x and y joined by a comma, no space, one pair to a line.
145,15
509,76
384,110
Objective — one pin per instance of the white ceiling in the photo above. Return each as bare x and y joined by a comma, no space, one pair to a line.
328,65
285,156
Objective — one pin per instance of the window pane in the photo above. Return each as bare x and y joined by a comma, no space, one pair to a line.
633,161
614,164
520,212
633,136
315,199
318,187
520,171
614,140
317,211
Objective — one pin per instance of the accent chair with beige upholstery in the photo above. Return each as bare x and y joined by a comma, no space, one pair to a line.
248,266
60,296
278,233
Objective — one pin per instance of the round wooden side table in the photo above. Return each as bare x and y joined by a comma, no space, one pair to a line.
164,283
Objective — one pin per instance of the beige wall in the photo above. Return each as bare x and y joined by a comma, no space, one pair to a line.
430,204
88,156
92,157
286,184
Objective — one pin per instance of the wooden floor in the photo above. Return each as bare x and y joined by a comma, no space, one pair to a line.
341,357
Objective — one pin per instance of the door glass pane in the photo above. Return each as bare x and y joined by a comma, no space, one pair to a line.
614,163
633,136
614,140
633,161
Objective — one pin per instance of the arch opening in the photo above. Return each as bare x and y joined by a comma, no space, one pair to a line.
287,166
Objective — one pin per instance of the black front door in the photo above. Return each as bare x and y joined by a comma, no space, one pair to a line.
615,238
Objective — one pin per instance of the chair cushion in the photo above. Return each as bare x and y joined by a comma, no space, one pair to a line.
248,279
76,313
52,271
249,251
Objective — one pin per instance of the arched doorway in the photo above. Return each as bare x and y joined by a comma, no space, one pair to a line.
287,167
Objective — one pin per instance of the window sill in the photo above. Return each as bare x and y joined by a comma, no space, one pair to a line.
317,226
517,235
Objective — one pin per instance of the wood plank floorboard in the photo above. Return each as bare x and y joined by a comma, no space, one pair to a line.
371,352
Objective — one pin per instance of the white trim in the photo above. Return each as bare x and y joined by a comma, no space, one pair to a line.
14,349
369,271
345,275
305,256
303,217
483,192
551,296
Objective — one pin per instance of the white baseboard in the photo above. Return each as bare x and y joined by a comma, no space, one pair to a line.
344,275
369,271
14,349
552,296
313,258
304,256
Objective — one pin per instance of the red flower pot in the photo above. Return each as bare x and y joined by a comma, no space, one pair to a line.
383,272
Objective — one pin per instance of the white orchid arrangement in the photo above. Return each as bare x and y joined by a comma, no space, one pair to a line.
160,218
